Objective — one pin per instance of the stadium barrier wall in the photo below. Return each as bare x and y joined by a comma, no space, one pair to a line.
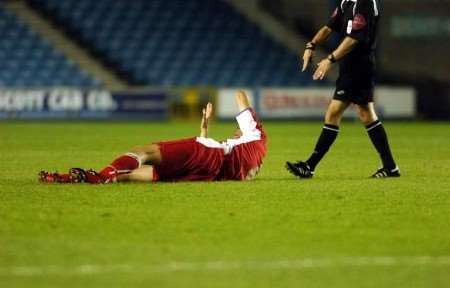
64,103
270,103
310,103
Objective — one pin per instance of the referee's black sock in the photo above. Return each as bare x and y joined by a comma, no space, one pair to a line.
379,139
326,139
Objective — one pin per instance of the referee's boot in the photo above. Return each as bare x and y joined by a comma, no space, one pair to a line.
300,169
386,173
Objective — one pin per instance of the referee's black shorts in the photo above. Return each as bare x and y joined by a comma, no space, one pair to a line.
355,89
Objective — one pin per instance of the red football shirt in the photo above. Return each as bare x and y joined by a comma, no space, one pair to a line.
244,155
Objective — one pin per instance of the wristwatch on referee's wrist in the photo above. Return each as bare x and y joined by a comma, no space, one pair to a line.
331,58
310,46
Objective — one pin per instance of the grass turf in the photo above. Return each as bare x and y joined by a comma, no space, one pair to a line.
50,233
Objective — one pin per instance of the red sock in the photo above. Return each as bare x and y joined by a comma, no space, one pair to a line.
65,178
122,165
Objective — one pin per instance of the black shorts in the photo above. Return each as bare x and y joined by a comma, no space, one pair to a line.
354,91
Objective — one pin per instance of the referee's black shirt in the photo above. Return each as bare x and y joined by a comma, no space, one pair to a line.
358,19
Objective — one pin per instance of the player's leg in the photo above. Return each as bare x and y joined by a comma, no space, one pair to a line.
128,162
142,174
329,133
124,164
378,136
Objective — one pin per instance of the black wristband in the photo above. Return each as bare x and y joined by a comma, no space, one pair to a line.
331,58
310,46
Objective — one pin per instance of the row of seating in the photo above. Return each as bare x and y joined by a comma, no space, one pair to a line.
177,42
30,61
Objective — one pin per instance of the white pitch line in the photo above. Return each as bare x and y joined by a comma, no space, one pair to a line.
171,267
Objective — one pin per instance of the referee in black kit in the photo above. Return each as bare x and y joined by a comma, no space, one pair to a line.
356,21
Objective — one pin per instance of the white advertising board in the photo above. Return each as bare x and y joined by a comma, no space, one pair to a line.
291,103
226,104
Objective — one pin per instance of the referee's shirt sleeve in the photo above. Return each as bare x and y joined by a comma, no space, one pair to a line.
363,20
335,22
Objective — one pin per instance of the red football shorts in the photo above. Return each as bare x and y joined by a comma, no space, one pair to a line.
187,160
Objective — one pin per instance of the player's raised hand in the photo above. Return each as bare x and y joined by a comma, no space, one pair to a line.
207,111
307,58
322,69
206,114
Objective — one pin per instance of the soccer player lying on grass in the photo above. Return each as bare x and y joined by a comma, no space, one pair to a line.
194,159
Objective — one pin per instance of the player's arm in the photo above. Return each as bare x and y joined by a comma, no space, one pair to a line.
206,114
247,119
242,100
346,46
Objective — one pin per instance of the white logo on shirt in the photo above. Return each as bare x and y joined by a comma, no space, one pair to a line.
349,26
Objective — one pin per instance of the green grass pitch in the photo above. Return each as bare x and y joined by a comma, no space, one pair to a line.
339,229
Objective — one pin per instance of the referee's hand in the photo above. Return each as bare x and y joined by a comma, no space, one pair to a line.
322,69
307,57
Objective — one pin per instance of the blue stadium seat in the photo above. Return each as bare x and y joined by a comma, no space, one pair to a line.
177,42
29,61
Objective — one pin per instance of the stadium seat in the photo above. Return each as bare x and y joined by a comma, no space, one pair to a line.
177,42
30,61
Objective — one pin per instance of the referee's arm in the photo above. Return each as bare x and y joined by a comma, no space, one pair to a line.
318,39
322,35
344,48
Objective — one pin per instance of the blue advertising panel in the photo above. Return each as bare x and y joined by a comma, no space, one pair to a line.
79,104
